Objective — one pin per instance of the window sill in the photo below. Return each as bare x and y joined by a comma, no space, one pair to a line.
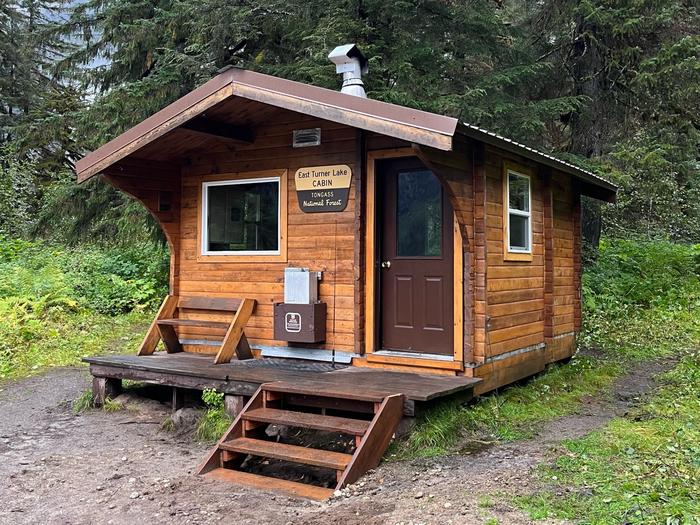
517,256
242,258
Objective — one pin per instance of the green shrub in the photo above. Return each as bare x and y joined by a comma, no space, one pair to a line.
642,273
58,304
215,420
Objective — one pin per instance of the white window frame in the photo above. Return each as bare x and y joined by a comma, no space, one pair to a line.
521,213
205,216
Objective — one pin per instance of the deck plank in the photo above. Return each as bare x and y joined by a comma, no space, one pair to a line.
295,453
355,427
270,484
200,370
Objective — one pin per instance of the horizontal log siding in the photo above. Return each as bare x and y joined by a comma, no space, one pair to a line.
563,255
321,241
514,289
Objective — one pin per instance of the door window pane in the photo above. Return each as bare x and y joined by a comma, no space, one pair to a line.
242,217
419,214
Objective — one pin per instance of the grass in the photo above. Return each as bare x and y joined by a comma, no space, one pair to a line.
641,301
85,402
215,421
60,304
640,469
63,339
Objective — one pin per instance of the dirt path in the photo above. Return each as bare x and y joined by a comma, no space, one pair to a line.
121,468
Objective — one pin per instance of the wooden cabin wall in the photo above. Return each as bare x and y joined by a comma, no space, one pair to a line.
530,305
566,268
318,241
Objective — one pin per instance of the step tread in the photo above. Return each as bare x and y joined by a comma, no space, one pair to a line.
294,453
325,389
193,322
292,488
355,427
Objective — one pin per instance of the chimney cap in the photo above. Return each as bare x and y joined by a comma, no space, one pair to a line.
346,54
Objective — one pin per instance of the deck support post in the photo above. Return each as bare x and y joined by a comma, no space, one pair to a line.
234,404
104,387
178,398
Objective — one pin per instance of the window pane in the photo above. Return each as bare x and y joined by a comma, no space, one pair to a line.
419,215
518,192
243,217
519,232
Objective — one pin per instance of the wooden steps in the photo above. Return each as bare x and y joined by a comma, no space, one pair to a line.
344,425
293,453
292,488
368,420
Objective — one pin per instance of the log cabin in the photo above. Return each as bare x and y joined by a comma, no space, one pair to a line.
336,261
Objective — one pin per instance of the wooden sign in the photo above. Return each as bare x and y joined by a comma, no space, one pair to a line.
323,188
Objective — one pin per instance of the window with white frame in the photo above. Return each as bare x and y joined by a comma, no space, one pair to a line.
241,217
519,219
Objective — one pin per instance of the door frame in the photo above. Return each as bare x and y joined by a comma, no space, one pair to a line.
372,289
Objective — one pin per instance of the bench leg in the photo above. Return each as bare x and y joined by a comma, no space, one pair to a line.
170,338
103,387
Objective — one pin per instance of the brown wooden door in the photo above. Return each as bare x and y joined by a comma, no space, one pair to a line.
416,260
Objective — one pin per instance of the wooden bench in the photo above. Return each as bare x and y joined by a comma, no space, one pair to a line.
167,320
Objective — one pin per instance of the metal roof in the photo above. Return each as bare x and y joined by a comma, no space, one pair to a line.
412,125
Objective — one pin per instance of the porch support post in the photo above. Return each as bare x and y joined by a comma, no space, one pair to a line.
178,398
234,404
104,387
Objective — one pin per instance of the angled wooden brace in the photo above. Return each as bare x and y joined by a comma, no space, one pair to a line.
235,340
153,336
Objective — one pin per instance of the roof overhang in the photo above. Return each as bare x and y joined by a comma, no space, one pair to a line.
411,125
593,185
420,127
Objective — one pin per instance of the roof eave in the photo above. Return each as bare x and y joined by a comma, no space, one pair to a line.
605,190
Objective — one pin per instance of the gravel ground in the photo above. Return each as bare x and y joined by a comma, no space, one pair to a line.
122,468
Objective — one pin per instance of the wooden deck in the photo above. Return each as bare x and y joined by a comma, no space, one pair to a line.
186,370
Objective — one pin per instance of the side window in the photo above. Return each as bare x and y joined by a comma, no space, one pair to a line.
241,217
517,215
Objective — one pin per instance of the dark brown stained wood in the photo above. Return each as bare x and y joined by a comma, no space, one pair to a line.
170,338
344,425
244,388
209,303
372,447
220,130
192,322
416,289
294,453
417,387
321,387
249,374
266,483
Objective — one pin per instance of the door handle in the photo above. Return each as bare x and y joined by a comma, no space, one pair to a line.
386,264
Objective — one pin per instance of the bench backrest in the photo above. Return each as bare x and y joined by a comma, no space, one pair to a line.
209,303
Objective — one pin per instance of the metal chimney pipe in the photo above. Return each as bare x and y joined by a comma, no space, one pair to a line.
350,61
